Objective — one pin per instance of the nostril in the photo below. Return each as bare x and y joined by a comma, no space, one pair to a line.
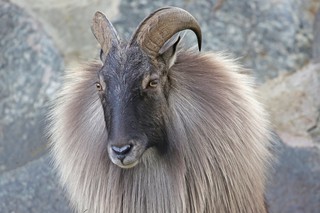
123,150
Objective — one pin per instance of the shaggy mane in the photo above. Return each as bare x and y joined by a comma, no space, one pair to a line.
218,153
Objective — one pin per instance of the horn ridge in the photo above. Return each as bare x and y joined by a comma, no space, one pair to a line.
143,23
160,26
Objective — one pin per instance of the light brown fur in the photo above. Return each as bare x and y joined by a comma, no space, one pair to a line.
218,162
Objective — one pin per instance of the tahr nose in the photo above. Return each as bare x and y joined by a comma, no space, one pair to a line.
121,151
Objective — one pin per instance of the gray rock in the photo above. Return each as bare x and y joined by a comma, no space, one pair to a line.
68,22
29,64
293,102
268,36
316,41
32,189
295,185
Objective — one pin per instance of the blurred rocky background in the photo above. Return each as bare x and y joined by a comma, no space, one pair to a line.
278,39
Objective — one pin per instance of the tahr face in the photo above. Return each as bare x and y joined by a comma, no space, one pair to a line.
132,93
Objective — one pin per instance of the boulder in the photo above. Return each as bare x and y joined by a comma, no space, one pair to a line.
29,67
32,188
68,22
294,186
316,41
293,102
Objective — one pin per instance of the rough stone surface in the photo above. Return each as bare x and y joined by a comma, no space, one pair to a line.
295,186
29,63
316,41
293,101
68,22
32,189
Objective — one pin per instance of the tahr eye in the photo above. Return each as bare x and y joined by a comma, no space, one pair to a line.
154,83
98,86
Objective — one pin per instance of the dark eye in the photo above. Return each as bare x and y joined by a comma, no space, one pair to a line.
98,86
153,83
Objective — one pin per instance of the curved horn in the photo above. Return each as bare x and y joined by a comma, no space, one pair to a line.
104,32
160,26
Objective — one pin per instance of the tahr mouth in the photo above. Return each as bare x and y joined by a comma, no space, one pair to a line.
127,165
128,158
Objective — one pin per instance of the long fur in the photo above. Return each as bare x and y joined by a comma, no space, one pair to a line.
219,157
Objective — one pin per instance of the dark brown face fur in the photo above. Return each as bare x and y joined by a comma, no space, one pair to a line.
132,93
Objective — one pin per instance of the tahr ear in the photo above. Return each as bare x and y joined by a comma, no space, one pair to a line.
104,32
168,51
